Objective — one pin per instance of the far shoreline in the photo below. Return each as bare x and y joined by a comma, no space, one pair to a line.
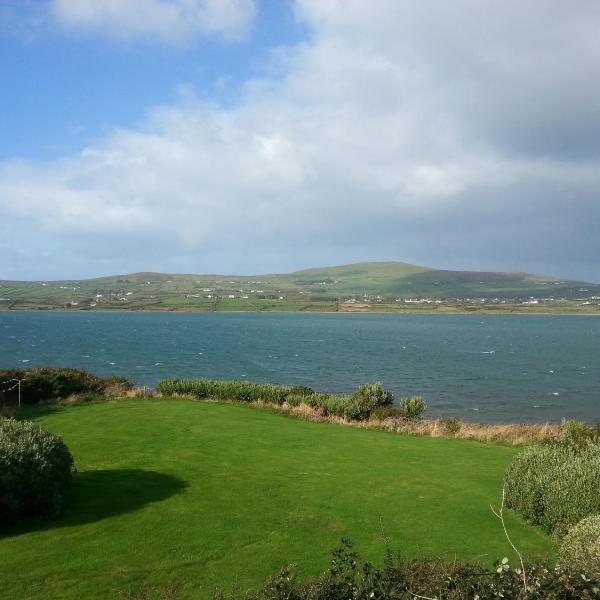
476,313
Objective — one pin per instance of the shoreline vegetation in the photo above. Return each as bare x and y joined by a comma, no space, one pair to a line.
369,407
575,313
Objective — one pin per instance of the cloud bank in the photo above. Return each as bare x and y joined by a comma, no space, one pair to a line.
462,135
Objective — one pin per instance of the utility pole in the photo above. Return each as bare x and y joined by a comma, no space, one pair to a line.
18,385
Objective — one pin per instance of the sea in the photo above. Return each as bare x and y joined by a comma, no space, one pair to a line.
493,368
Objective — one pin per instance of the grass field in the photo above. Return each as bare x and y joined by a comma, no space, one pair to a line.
213,494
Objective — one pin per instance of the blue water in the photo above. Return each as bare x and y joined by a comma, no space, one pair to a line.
486,368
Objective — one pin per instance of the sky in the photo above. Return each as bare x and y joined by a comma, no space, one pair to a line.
261,136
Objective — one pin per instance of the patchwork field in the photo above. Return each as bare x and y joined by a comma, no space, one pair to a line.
380,286
221,495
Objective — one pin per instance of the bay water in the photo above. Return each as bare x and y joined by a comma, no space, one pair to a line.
496,368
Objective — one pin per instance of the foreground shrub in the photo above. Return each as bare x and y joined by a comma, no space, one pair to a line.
36,469
351,577
45,384
580,549
555,485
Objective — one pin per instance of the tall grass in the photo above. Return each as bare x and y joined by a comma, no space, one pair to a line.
240,391
355,407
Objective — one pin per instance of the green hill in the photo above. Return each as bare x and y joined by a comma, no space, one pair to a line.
310,289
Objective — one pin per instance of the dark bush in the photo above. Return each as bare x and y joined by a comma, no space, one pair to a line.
36,469
555,485
399,579
45,384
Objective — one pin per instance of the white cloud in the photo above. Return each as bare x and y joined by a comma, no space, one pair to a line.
458,137
171,21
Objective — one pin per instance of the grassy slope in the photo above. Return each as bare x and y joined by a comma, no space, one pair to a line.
312,289
218,494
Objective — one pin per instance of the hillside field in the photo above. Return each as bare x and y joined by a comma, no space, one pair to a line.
222,495
382,286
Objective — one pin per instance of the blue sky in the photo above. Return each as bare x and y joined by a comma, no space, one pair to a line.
63,90
251,136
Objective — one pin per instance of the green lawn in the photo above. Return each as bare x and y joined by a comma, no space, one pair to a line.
216,494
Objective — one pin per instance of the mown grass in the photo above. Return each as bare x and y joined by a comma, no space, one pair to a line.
223,495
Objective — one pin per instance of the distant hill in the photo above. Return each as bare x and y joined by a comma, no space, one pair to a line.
309,289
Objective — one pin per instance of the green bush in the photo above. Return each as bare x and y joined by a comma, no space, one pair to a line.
45,384
36,469
580,548
576,433
374,394
555,485
349,576
413,407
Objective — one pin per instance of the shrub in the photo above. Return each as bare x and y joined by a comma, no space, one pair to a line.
44,384
349,576
413,407
580,549
374,394
555,485
36,469
576,433
367,397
